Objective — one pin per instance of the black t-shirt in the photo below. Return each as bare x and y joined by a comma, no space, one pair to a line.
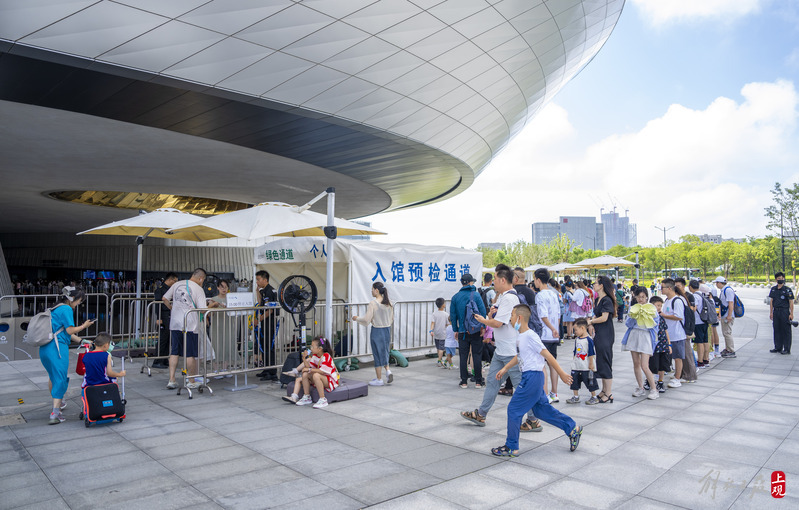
527,292
604,329
159,296
780,297
268,295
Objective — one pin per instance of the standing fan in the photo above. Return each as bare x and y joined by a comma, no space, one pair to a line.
296,295
211,286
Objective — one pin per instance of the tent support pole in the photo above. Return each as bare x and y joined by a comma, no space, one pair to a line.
139,251
331,236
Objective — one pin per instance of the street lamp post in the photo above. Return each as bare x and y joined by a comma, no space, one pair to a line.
664,229
782,241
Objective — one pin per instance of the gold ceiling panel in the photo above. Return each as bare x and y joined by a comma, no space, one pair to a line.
150,201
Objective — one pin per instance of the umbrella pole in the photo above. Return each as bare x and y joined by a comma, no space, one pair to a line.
331,236
139,249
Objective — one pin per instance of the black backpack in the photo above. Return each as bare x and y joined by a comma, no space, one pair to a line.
689,324
471,324
535,321
484,294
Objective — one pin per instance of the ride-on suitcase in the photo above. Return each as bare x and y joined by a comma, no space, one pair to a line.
103,403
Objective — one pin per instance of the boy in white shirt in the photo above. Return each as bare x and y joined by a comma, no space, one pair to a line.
531,356
438,329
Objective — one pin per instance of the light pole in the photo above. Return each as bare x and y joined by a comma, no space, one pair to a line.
664,229
782,241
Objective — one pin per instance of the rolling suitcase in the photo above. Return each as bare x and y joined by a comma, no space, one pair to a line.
103,403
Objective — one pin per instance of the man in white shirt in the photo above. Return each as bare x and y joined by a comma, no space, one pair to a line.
505,339
546,301
182,297
727,318
674,314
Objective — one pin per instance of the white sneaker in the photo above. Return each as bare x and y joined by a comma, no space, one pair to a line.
653,394
293,398
322,402
292,373
639,392
172,385
674,383
389,377
376,382
553,397
305,401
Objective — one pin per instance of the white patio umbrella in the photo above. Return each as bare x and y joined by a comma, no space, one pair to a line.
279,219
564,267
152,224
604,262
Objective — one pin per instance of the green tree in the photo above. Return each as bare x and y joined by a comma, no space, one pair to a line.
559,249
723,253
783,214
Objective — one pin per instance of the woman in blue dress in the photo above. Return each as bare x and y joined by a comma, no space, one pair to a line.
55,355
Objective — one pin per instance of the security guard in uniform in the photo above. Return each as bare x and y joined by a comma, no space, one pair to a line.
781,313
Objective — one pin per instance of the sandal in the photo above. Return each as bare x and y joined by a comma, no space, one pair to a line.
474,417
506,392
504,451
607,399
478,386
463,386
531,426
574,438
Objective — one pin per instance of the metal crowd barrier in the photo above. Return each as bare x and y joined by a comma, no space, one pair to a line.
93,307
156,338
127,322
232,342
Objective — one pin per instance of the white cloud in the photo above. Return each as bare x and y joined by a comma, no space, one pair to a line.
702,171
659,12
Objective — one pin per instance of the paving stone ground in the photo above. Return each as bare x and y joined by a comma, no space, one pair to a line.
713,444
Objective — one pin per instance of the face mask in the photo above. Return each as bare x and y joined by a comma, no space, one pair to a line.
518,325
780,282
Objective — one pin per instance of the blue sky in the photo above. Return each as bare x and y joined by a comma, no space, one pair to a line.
687,115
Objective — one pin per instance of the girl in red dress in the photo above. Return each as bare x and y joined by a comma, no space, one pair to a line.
317,369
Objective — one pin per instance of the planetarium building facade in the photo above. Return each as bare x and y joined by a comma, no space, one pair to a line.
214,105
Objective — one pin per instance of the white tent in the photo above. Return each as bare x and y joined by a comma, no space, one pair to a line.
411,272
414,275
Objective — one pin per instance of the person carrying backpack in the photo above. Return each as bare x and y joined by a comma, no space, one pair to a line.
464,305
54,355
727,308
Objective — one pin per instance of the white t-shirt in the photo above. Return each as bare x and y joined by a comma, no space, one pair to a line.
440,319
675,306
583,349
699,306
727,295
184,296
548,306
529,347
490,294
449,340
505,336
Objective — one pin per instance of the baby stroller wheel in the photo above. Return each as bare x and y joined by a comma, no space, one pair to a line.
80,416
86,422
120,420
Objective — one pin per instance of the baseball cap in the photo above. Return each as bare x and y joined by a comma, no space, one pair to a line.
720,279
467,278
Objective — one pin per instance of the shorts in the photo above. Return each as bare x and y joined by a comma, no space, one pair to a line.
192,344
678,349
660,362
450,350
439,345
552,347
583,377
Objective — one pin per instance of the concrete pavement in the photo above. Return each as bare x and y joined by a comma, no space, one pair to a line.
713,444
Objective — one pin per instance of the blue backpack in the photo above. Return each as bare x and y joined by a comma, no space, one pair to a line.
472,325
738,307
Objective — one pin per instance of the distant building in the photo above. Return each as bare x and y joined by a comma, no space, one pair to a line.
618,230
492,246
708,238
584,231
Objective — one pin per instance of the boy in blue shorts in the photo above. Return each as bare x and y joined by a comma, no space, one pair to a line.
532,356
